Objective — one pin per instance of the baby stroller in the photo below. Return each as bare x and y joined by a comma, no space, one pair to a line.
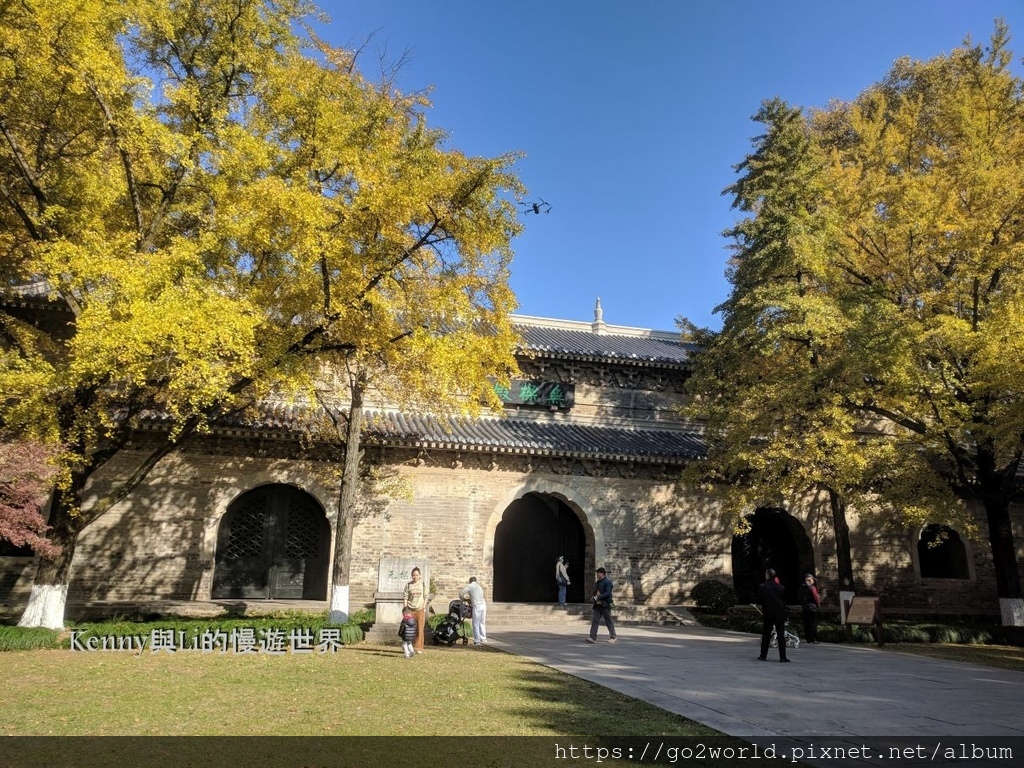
452,627
792,640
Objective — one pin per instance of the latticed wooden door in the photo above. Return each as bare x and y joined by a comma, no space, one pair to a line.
273,543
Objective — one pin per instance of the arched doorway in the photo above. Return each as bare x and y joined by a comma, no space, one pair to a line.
533,532
941,553
273,543
775,540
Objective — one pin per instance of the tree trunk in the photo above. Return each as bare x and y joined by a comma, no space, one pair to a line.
345,522
1004,556
996,486
841,530
48,599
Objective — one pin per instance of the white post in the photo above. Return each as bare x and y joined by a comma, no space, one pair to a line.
844,598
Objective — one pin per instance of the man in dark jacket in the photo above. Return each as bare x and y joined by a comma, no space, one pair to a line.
602,607
773,608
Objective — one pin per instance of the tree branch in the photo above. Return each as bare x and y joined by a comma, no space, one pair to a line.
23,167
126,162
906,422
423,239
22,214
165,202
108,500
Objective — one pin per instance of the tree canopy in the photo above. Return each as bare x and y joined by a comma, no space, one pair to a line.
868,345
228,210
932,246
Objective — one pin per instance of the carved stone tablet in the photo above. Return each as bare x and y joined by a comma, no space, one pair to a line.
394,573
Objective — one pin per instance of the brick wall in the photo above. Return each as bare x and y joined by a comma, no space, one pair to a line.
657,540
161,542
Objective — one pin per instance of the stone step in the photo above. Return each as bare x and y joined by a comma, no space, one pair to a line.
547,614
498,614
532,614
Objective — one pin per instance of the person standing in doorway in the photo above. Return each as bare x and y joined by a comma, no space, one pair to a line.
474,593
602,607
416,601
561,578
773,608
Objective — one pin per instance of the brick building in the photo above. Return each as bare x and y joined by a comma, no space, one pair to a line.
584,463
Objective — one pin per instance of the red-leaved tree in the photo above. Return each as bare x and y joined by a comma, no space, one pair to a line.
26,478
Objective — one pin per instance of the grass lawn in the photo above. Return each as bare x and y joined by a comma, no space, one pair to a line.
360,690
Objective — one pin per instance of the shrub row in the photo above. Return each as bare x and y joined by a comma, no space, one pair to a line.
24,638
716,595
904,630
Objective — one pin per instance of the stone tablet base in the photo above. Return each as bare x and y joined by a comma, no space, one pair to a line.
389,616
1012,611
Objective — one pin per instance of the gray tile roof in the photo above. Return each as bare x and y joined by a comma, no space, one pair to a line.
484,433
522,436
564,342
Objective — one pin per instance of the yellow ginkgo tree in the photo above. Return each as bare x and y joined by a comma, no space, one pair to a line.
222,210
926,177
776,386
406,251
871,347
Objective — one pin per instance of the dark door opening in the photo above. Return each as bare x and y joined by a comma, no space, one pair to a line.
775,540
273,544
941,553
533,532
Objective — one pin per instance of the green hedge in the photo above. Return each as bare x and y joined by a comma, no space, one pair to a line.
716,595
902,630
189,629
28,639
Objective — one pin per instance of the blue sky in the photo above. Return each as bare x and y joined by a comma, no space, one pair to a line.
632,116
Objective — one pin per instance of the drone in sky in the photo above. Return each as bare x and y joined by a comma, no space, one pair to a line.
540,207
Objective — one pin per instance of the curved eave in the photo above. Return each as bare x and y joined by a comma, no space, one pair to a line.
556,354
533,438
521,451
485,436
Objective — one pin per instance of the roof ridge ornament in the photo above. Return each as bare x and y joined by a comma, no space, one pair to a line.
599,326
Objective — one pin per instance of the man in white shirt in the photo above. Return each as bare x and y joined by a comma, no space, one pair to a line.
561,578
475,594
